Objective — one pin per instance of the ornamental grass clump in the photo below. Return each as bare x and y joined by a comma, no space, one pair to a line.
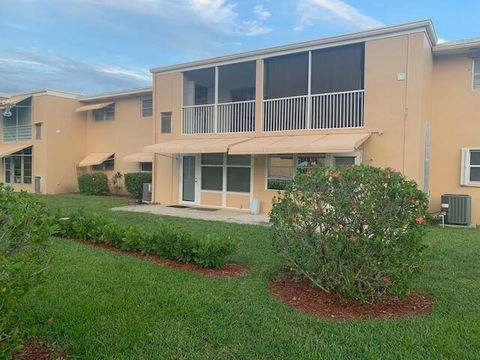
356,231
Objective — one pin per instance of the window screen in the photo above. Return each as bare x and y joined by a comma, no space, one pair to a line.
476,74
199,87
147,107
286,76
166,122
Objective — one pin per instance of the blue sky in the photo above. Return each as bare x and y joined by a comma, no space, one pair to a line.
92,46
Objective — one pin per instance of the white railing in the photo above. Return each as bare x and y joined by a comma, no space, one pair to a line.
236,117
221,118
327,111
17,133
198,119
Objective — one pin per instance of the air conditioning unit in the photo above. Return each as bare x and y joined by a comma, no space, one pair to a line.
147,193
457,209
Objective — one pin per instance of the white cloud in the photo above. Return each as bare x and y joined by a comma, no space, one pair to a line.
214,11
261,13
338,11
441,40
253,28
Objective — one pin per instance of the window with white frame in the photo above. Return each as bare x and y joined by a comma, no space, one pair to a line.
17,167
103,114
282,168
238,173
147,107
212,172
470,174
476,74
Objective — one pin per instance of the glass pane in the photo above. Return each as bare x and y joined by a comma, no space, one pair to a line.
238,179
24,115
8,176
110,112
146,166
99,115
27,179
236,82
38,131
188,172
344,161
166,123
109,164
147,107
212,159
240,160
212,178
474,174
305,162
337,69
474,157
199,87
286,76
10,120
280,167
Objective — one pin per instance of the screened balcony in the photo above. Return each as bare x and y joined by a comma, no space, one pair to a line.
18,126
321,89
219,99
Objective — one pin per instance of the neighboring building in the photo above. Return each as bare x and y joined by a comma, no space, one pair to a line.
236,128
51,137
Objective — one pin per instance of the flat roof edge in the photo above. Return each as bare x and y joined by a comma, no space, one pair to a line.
118,94
457,47
414,26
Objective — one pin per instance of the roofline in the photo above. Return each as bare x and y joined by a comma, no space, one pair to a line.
457,47
51,92
410,27
118,94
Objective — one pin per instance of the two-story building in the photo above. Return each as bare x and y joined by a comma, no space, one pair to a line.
49,137
236,128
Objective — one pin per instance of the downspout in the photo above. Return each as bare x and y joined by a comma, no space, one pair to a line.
405,114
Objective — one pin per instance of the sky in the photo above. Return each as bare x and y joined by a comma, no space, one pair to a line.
95,46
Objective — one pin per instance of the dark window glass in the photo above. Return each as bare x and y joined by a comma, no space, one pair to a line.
166,122
338,69
108,164
146,166
344,161
236,82
238,179
212,178
286,76
212,159
147,107
474,157
475,174
241,160
38,131
199,87
106,113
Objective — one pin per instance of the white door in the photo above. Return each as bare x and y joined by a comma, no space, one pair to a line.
189,184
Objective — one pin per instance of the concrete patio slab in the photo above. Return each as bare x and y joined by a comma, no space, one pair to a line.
200,213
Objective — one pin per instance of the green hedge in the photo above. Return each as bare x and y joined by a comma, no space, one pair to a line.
93,184
134,183
25,230
165,240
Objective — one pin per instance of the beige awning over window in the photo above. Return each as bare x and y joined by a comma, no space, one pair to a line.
93,106
194,146
295,144
95,159
139,157
9,149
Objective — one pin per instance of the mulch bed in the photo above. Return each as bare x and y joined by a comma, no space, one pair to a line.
38,350
229,270
302,296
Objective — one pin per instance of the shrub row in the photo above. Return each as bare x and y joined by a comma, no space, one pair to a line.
357,231
165,240
93,184
25,230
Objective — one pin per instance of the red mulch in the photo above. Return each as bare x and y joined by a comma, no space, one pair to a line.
301,295
38,350
229,270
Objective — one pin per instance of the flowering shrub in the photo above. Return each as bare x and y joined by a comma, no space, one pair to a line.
25,230
93,184
355,231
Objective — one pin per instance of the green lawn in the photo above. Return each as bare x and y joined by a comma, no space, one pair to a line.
105,306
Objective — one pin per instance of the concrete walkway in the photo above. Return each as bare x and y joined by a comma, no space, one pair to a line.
226,215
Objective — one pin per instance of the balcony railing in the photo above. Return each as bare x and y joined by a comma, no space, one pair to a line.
17,133
231,117
324,111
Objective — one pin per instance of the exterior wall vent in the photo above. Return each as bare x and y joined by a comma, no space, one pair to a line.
457,209
147,193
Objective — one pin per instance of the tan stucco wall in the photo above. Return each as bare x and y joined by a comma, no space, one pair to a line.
395,112
456,109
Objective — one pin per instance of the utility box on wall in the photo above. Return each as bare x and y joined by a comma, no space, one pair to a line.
457,209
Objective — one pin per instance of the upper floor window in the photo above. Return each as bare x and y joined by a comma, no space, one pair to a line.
106,113
108,164
38,131
470,174
17,167
147,107
286,76
199,87
236,82
166,122
476,74
18,126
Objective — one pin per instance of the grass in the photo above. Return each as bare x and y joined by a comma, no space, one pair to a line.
100,305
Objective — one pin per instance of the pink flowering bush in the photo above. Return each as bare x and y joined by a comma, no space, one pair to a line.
355,231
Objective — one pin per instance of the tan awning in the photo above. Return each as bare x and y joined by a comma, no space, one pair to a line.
194,146
94,159
9,149
332,143
93,106
139,157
